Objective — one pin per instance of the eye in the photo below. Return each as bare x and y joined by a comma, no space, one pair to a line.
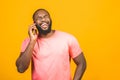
46,16
39,18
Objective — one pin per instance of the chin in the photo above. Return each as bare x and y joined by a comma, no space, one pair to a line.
45,29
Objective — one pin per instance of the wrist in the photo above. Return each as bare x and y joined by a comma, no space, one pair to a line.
32,41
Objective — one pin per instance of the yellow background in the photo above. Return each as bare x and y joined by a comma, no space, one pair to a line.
95,23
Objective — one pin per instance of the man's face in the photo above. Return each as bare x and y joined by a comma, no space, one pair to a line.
43,22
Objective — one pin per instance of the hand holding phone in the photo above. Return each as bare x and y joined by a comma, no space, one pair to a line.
33,33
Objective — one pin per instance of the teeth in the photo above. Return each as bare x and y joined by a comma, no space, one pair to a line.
44,24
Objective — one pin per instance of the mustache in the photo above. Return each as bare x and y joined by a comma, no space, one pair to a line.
38,26
44,32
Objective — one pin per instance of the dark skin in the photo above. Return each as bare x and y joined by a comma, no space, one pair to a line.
81,66
24,59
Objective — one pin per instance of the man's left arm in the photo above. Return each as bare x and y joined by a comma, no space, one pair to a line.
81,66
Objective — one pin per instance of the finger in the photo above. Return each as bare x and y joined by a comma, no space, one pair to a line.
34,31
32,28
33,25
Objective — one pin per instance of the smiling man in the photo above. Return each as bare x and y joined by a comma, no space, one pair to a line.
50,51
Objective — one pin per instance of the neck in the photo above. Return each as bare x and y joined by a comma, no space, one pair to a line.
47,35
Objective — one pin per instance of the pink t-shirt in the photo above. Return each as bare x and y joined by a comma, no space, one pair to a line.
51,56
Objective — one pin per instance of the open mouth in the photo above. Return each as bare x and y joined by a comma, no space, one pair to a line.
44,25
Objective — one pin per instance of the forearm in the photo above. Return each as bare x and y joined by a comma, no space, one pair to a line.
80,69
23,61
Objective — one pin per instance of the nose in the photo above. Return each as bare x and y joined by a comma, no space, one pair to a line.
43,19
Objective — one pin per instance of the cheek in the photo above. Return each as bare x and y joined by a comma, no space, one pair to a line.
48,20
38,22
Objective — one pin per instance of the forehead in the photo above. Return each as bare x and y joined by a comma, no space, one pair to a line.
41,13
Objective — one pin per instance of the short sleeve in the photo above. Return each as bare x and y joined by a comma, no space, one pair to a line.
24,44
74,47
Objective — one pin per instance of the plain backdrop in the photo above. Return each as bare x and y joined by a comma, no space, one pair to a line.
95,23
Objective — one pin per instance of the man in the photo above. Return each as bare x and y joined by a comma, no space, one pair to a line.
50,51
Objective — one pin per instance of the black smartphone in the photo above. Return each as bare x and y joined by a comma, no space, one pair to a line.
34,31
37,26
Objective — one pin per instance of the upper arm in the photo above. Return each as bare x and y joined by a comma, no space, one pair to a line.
74,47
24,45
80,59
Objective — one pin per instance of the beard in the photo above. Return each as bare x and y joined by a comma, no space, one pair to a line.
44,32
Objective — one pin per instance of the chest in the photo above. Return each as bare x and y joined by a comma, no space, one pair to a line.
51,48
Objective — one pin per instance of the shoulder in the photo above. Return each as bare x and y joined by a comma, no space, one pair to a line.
67,37
26,41
65,34
24,44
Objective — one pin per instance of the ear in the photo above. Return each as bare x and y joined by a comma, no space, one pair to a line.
33,21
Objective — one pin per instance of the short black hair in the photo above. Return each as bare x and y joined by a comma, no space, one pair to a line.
38,11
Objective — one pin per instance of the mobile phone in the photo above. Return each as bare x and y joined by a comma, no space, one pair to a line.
34,31
36,26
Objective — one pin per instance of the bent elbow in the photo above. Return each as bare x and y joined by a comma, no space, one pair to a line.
21,68
84,65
